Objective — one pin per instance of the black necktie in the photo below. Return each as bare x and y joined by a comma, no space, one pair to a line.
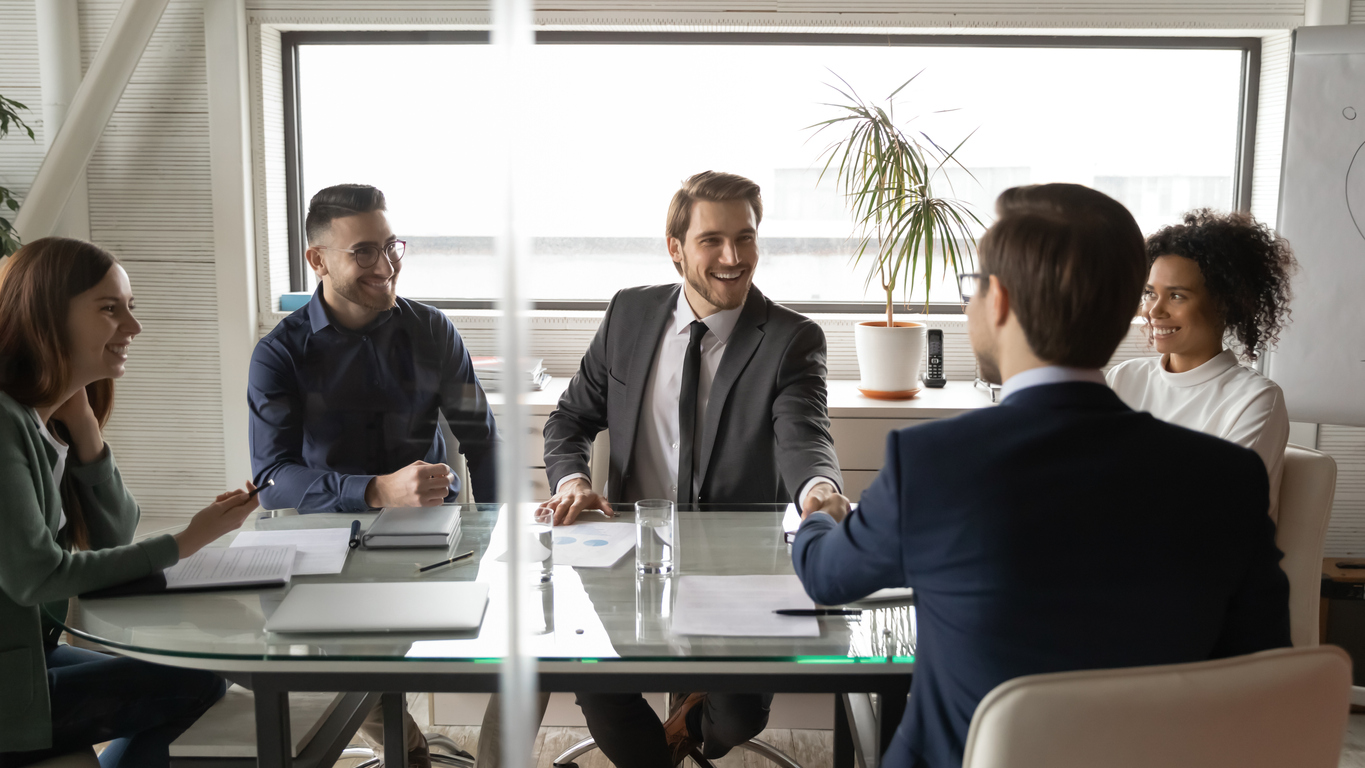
687,412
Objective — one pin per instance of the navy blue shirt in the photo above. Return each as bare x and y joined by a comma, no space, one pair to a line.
331,408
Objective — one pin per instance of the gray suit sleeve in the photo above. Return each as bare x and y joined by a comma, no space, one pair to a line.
581,412
805,449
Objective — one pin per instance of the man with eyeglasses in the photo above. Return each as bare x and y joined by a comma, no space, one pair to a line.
1060,530
346,393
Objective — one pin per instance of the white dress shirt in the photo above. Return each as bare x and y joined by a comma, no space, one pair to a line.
657,435
1220,398
1048,374
58,467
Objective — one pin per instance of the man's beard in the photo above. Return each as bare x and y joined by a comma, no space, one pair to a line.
700,285
990,370
353,293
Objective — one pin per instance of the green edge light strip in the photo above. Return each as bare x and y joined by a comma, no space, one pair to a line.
847,660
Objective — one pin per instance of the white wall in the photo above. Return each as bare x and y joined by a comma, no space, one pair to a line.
149,204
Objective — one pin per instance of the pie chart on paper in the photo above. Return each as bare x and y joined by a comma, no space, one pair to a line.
1355,189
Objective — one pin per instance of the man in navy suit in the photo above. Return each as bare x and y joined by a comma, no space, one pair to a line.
1059,530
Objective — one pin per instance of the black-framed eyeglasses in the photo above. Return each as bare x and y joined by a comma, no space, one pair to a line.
968,285
367,256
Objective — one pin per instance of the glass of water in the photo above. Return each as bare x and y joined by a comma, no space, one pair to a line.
653,607
655,528
540,544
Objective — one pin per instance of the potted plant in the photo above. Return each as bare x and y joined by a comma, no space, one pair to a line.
9,239
903,229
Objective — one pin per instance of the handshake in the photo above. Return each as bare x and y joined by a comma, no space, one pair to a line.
577,496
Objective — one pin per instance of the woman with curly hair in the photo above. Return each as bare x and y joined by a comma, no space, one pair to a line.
1214,279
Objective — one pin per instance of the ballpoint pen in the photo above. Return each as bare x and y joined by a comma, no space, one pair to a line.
817,612
257,490
454,559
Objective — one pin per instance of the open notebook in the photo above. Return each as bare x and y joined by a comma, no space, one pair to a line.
214,568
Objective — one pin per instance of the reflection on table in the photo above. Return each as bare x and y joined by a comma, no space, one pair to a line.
582,613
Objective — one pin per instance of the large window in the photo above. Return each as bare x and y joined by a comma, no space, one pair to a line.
620,119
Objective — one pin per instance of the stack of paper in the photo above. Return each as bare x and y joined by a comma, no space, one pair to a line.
213,568
491,372
217,568
319,550
742,606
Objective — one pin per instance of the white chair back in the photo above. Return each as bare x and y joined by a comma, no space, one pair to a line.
1286,707
1306,491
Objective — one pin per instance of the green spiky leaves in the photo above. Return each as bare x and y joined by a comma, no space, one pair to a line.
887,176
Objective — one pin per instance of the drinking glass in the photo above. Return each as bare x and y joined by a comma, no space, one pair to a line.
655,528
541,536
653,607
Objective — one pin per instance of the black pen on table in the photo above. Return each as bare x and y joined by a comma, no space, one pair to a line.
454,559
355,534
817,612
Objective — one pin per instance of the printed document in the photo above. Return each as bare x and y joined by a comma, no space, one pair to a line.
320,550
580,545
593,545
742,606
232,567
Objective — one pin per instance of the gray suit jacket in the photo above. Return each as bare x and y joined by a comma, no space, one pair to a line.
766,429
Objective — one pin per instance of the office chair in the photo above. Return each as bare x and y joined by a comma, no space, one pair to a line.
757,746
1307,488
457,758
1275,708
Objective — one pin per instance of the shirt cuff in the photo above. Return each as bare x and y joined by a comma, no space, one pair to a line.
809,486
567,478
353,493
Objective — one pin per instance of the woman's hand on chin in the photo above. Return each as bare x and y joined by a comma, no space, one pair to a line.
80,421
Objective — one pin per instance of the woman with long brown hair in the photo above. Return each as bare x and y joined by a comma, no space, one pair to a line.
66,520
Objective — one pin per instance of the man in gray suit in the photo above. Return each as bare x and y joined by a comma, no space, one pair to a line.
712,394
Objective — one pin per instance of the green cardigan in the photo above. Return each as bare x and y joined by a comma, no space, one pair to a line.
36,569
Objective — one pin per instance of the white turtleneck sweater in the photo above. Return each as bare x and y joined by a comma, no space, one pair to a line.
1218,398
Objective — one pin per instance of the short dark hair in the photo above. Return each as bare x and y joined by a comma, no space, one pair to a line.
715,186
338,202
1072,259
1246,268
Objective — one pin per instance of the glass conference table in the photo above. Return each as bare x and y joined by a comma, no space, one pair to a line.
594,629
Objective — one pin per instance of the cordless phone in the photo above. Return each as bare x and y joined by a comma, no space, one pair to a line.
934,376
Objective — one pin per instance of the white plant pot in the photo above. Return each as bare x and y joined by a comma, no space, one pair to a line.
889,358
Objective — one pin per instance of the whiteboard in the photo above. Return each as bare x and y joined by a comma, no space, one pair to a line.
1320,360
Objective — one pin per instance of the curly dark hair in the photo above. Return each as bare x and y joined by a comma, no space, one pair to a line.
1246,268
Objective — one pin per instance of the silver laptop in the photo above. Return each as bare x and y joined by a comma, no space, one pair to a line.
404,606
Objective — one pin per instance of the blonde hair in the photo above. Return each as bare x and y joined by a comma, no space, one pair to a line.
715,186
